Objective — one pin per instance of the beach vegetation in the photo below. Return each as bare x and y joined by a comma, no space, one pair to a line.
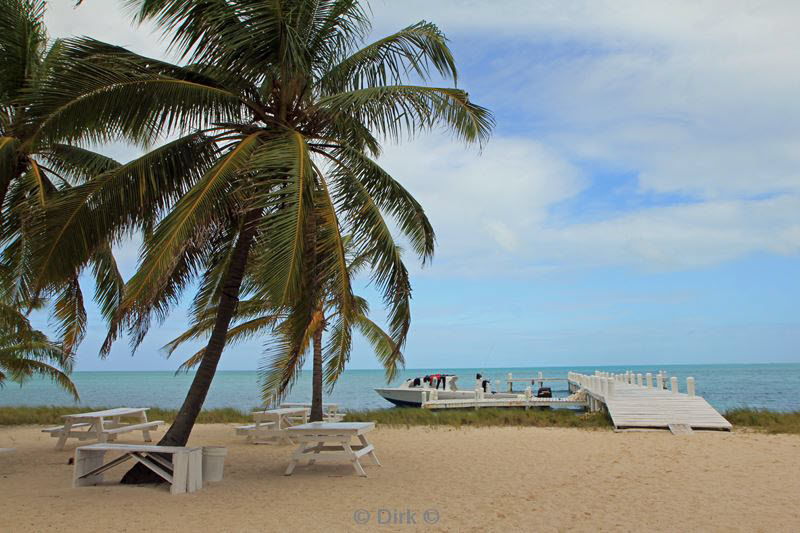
276,117
33,170
483,417
26,352
258,318
765,420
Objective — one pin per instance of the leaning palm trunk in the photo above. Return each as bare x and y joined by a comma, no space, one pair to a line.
181,428
316,392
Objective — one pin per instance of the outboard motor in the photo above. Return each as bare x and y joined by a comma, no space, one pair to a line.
544,392
486,385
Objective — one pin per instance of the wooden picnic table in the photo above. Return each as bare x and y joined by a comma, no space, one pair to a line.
270,425
184,472
331,442
329,410
103,425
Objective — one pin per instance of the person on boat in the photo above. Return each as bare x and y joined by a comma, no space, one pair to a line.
478,382
435,379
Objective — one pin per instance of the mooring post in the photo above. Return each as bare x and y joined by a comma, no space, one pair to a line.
690,386
649,377
674,381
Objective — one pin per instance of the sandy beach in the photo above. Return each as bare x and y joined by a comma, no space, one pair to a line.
529,479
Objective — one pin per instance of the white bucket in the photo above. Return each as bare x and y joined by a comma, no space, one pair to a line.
213,462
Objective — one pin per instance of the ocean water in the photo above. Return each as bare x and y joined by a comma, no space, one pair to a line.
767,386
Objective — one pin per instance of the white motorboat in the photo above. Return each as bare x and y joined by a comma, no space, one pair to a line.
410,392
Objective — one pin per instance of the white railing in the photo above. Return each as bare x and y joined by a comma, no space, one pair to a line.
602,386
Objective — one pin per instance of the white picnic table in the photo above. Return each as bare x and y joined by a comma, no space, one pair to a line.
269,426
329,410
103,425
184,472
331,442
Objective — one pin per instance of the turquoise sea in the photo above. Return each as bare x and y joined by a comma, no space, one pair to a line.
768,386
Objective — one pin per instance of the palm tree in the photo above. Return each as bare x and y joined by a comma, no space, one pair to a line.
254,317
277,117
25,352
33,169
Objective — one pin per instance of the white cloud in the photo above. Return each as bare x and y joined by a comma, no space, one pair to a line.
492,212
693,98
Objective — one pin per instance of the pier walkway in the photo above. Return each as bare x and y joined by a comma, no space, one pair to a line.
635,401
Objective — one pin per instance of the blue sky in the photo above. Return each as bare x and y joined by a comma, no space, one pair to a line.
638,203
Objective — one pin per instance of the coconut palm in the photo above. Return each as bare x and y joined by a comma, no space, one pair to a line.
256,318
276,118
25,352
33,169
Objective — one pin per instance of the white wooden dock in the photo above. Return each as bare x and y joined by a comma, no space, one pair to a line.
635,401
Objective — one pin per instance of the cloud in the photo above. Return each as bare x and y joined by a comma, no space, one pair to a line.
695,101
493,212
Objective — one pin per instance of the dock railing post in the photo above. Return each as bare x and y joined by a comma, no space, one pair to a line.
649,378
639,380
510,383
659,381
674,382
690,386
603,386
610,389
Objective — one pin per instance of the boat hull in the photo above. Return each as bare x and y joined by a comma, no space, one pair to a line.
412,397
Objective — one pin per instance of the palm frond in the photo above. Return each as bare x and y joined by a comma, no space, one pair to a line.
77,163
396,111
109,206
23,39
171,252
388,195
102,96
70,314
388,61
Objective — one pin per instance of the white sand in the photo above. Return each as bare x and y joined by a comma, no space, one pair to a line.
497,479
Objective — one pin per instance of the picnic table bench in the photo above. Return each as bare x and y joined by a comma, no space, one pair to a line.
103,425
184,472
270,426
330,442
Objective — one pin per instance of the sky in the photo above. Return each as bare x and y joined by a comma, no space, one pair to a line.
639,201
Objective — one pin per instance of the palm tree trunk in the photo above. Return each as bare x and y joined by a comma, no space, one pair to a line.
178,433
316,378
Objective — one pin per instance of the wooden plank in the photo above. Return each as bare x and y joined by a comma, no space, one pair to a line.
133,427
634,406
